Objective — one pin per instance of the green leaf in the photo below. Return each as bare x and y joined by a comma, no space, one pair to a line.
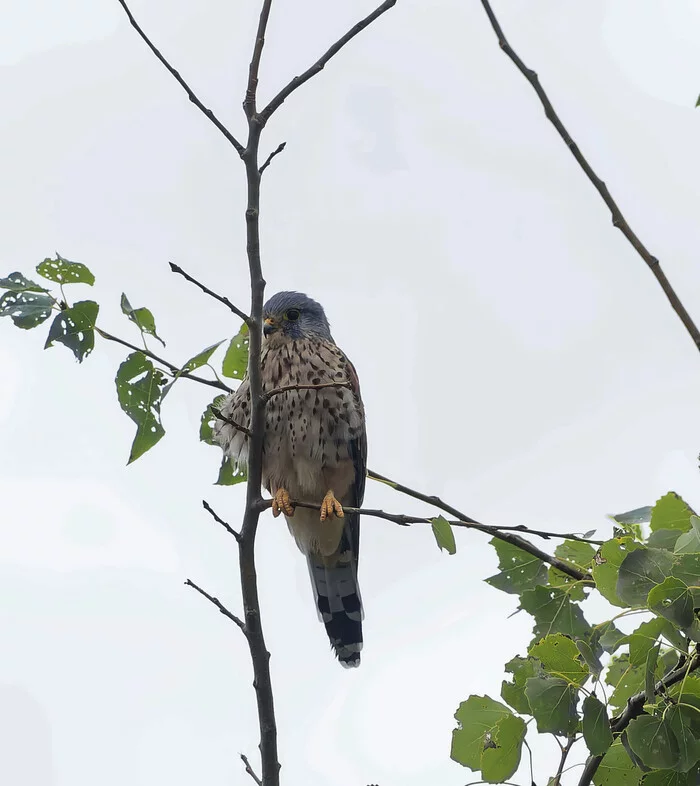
686,567
26,308
683,724
610,637
142,318
616,769
554,613
62,271
640,572
636,516
589,657
488,738
664,539
230,474
18,283
139,388
235,362
575,552
75,328
560,657
207,420
671,512
650,675
514,692
574,588
519,571
643,638
596,726
627,680
689,541
442,529
651,738
673,601
199,360
606,567
670,778
553,704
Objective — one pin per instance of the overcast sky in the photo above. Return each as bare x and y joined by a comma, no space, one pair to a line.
516,358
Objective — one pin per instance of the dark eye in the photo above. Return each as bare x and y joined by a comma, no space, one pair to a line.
292,315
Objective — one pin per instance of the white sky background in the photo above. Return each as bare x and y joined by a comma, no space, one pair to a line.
464,261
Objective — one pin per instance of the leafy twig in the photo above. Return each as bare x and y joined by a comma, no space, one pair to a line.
237,311
618,219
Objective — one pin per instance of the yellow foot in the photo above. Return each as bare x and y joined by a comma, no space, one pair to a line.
281,503
331,507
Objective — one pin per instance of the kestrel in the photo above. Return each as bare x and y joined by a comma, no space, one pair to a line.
314,451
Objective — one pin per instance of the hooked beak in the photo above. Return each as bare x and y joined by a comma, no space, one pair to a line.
270,326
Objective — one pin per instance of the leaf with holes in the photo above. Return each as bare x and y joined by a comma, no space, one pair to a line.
235,362
488,738
651,738
640,572
230,474
554,613
514,692
519,571
26,308
617,769
560,657
577,553
206,423
606,567
16,282
75,328
671,512
139,388
673,601
444,536
63,271
596,726
553,704
141,317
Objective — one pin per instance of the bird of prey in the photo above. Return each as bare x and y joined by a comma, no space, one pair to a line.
314,450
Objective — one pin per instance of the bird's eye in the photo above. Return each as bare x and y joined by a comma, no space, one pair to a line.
292,315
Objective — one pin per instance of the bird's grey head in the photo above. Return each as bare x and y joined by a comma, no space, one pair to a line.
294,315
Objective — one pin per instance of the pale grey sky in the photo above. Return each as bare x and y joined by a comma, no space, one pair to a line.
462,259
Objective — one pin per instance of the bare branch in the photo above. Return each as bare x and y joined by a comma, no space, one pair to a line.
250,770
249,103
274,153
220,415
219,606
190,93
565,750
618,219
227,527
237,311
214,383
285,388
318,66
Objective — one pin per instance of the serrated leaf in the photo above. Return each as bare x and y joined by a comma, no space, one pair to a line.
235,362
488,738
596,726
16,282
606,566
616,768
63,271
139,388
554,613
651,738
206,422
26,309
444,536
671,512
75,328
640,572
689,541
514,692
519,571
560,657
589,657
673,601
610,637
141,317
230,474
683,725
553,704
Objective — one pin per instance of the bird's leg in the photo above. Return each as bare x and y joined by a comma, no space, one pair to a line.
281,503
331,507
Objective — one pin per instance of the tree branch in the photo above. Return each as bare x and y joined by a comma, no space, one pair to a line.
237,311
318,66
250,770
274,153
190,93
227,527
249,103
220,606
618,219
214,383
220,415
565,749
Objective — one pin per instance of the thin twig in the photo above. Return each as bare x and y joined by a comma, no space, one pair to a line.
190,93
172,368
618,219
249,103
286,388
508,537
227,527
318,66
237,311
250,770
565,749
220,415
220,606
274,153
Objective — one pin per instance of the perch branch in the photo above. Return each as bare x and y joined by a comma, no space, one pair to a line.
220,606
237,311
190,93
618,219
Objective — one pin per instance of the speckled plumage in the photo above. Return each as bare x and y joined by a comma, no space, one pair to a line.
314,443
